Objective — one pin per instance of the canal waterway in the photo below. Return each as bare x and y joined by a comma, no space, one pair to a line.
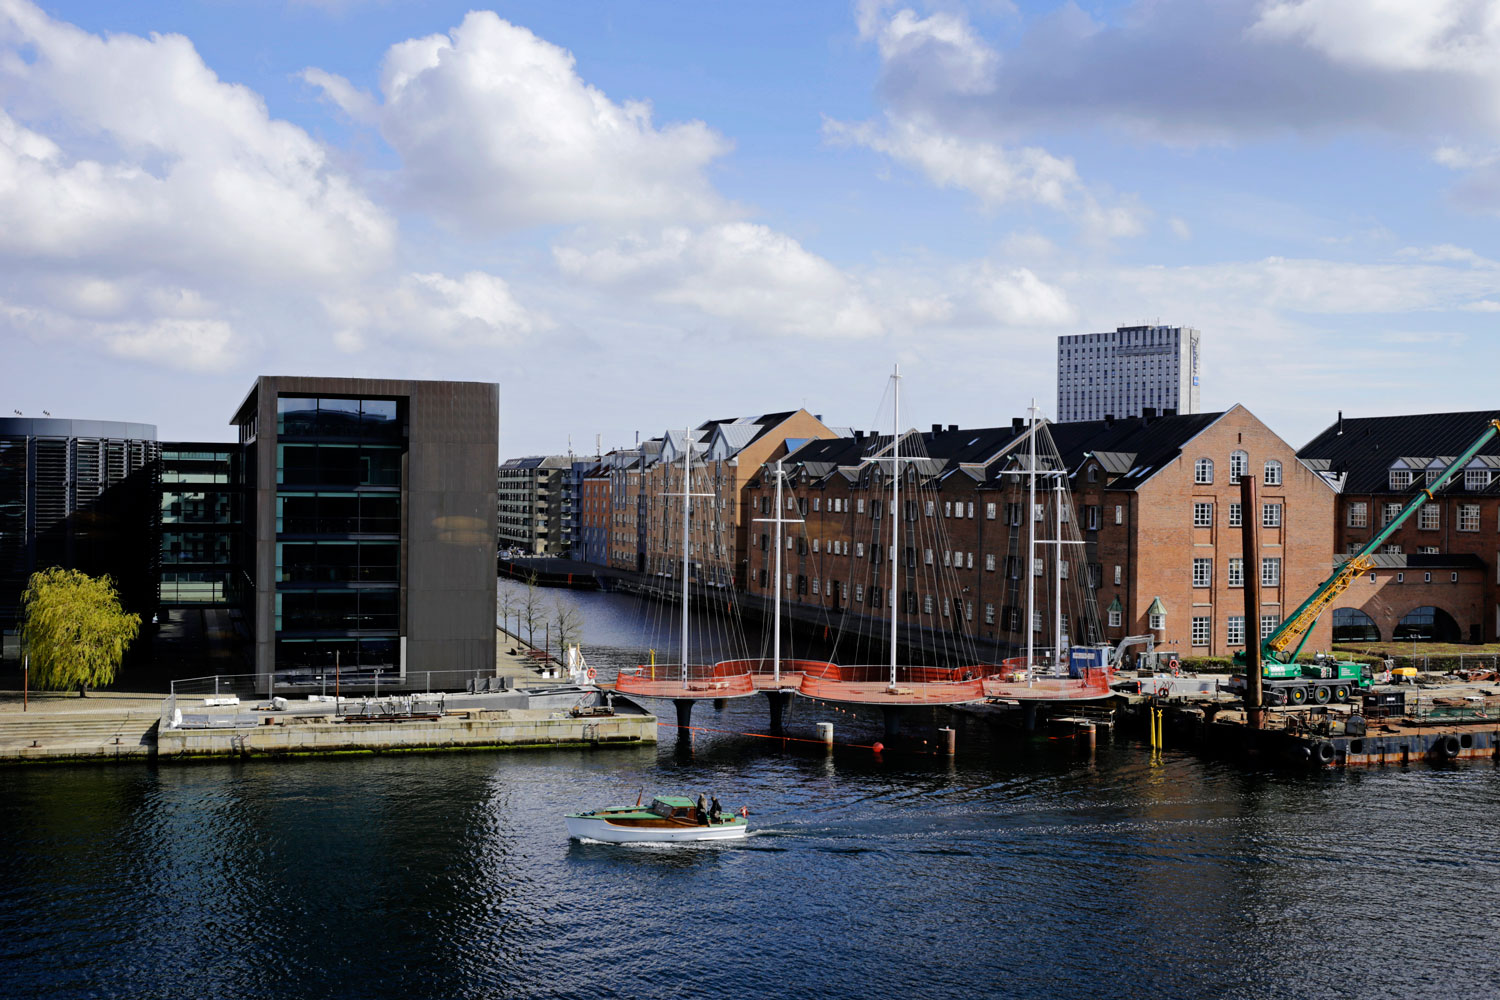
1021,867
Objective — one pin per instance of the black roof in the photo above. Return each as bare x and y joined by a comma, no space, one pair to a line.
1136,447
1361,450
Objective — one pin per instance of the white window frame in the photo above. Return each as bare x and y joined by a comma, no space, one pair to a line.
1202,630
1358,515
1116,619
1270,515
1234,630
1400,479
1203,514
1476,479
1468,517
1119,572
1236,515
1239,465
1203,572
1273,472
1270,571
1428,518
1203,472
1235,573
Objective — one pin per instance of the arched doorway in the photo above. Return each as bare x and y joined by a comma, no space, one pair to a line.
1427,624
1353,625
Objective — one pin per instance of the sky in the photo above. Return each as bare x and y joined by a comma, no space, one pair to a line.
635,216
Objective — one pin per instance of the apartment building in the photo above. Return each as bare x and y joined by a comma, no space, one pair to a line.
1127,371
1154,518
530,495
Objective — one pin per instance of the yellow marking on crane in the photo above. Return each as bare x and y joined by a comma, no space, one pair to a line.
1310,614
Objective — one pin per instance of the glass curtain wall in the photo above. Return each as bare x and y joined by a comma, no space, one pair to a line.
338,533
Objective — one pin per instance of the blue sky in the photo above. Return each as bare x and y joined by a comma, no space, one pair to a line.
639,216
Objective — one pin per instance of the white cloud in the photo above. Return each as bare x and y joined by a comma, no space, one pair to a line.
1460,36
747,274
476,310
495,129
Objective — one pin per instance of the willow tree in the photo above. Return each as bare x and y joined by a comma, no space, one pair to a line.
75,631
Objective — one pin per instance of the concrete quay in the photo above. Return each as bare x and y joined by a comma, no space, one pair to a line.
474,729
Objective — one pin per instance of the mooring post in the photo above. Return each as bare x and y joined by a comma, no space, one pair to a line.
950,740
825,733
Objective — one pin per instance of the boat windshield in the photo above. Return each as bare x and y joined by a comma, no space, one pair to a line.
661,808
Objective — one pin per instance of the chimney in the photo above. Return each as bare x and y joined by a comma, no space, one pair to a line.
1148,413
953,427
1170,411
1109,420
937,428
1017,424
859,435
1341,423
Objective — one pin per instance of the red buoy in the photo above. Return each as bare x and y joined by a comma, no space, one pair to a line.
877,747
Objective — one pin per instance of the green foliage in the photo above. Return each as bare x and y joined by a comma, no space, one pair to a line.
74,629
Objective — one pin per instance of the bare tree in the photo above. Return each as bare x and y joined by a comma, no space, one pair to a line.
532,610
507,602
568,621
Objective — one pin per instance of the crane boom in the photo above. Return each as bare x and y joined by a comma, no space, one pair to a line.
1298,626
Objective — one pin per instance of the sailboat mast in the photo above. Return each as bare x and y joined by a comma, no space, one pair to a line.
687,507
895,509
776,583
1031,548
1057,606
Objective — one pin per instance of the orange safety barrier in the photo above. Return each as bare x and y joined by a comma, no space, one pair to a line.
871,685
703,680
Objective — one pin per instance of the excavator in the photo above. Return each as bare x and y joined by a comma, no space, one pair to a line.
1326,679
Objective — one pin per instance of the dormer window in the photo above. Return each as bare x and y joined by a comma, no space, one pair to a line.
1401,479
1093,473
1476,479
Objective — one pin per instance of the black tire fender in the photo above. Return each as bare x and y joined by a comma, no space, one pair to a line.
1446,747
1323,752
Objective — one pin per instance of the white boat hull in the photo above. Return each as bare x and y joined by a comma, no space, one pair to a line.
597,828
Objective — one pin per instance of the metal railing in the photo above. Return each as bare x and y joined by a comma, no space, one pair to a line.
327,682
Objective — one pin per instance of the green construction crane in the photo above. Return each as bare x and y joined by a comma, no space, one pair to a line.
1296,684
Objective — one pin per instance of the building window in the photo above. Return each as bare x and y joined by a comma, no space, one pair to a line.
971,514
947,508
1115,618
1270,572
1400,479
989,614
859,550
816,584
931,507
1062,568
1036,567
1426,550
1391,548
1201,630
1236,572
989,561
859,505
1468,517
859,592
989,511
1427,518
1476,479
1203,515
1270,515
1358,515
1158,622
1235,630
927,556
817,502
1239,465
926,604
1203,471
1400,577
1203,572
1389,512
1235,517
1119,572
1091,513
1268,624
1273,472
1119,514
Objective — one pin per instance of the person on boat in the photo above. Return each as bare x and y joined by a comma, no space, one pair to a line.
702,809
715,811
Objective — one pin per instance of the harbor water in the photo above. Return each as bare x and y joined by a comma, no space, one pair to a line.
1024,866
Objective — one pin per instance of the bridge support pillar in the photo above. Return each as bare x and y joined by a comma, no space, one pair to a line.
777,701
684,712
892,721
1028,715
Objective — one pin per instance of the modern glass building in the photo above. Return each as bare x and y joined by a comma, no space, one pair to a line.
77,494
368,526
201,512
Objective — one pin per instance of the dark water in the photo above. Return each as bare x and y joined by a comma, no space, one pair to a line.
1020,868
